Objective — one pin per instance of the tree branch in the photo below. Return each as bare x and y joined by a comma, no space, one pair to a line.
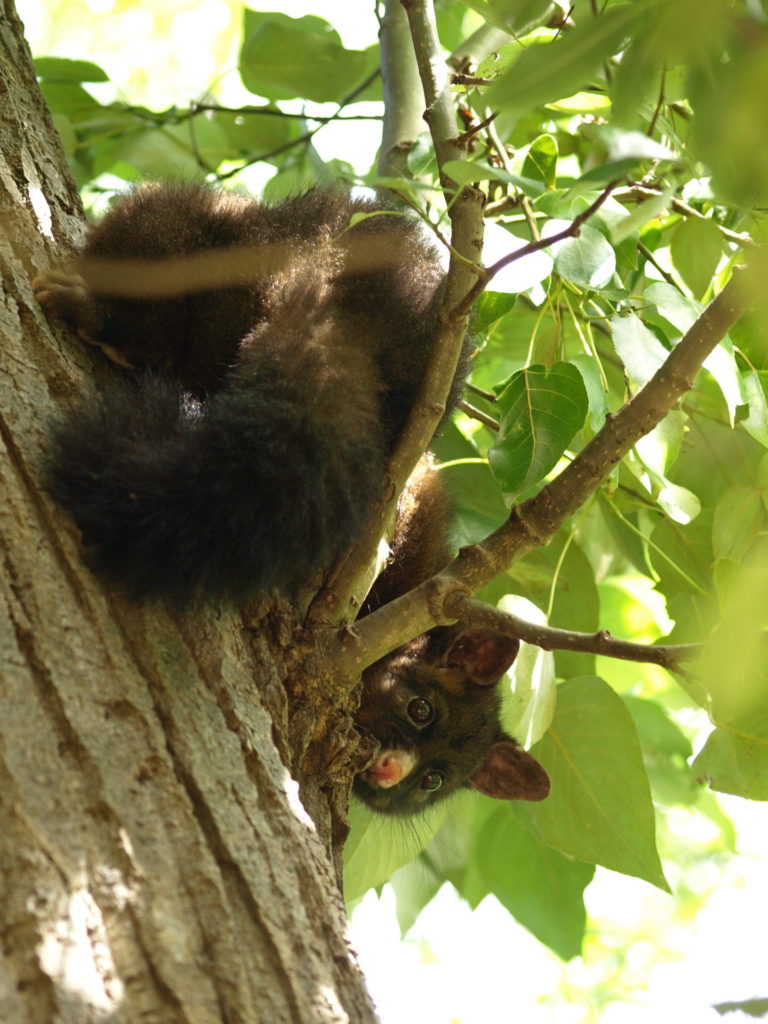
403,95
345,588
640,192
668,656
535,521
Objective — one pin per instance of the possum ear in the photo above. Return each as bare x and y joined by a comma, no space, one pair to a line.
482,654
510,773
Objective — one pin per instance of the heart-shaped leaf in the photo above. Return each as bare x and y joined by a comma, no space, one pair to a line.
541,411
600,807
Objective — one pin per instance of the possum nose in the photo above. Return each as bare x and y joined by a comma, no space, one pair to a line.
389,768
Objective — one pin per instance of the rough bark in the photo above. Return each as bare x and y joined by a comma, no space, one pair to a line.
156,863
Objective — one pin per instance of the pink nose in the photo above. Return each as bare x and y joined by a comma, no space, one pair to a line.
386,770
389,768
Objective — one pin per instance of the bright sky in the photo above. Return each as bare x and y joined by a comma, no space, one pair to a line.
459,966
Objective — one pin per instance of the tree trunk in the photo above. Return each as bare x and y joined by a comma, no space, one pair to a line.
156,863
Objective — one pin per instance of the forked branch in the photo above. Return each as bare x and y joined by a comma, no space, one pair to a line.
535,521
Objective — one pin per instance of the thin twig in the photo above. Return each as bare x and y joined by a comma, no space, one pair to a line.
636,191
306,136
571,231
549,638
461,79
477,414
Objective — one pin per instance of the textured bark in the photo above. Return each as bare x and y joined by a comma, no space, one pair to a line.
156,863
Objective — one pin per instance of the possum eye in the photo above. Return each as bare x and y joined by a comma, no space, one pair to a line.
420,711
432,780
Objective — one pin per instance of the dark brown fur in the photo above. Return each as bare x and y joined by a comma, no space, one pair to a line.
303,339
433,704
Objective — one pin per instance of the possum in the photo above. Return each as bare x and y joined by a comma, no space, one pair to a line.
275,355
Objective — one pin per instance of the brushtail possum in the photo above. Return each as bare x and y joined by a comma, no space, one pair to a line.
277,350
434,703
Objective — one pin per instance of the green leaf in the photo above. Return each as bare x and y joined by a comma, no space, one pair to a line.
653,453
751,1007
682,557
737,763
498,60
675,307
581,103
255,130
588,260
67,133
665,752
565,65
541,412
680,504
738,518
627,543
529,703
735,153
638,347
733,666
656,730
600,808
575,603
141,154
208,141
70,99
295,179
60,69
465,172
660,447
541,888
374,850
561,576
602,174
491,307
541,161
422,162
593,382
721,363
451,853
624,145
634,81
284,57
756,422
696,248
513,16
477,500
641,215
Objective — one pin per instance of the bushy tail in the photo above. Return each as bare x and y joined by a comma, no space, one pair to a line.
259,488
